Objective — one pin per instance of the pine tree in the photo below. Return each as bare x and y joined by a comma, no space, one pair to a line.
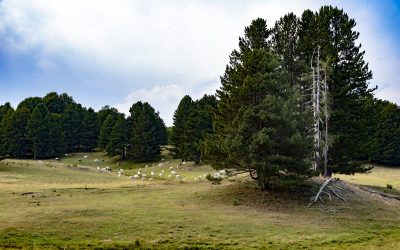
89,130
38,129
72,126
285,39
5,111
56,135
105,131
259,126
197,125
104,112
16,131
118,140
57,103
181,115
382,143
161,130
30,103
145,144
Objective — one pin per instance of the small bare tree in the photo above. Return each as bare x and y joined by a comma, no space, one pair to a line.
320,110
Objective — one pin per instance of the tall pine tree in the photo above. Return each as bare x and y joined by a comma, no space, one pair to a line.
181,115
144,139
38,129
258,124
119,138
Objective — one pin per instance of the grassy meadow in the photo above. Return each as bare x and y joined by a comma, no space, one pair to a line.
68,204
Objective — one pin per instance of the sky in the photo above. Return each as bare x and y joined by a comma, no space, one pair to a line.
116,53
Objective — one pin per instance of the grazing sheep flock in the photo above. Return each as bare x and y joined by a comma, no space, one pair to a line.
158,171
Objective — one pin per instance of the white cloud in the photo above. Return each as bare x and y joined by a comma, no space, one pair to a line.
164,99
142,45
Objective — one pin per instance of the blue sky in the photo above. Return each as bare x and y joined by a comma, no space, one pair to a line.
157,51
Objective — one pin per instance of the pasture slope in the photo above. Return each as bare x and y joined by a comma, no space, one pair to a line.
68,204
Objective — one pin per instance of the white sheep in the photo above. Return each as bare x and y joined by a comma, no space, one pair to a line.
173,172
152,173
178,177
85,157
98,168
217,175
160,174
162,171
169,176
144,175
170,168
222,172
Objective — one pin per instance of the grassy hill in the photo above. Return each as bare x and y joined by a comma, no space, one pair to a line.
69,204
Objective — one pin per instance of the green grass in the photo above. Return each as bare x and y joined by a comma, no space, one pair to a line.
50,205
379,177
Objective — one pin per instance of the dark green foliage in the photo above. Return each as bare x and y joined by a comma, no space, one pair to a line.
38,129
5,113
104,112
198,124
57,103
72,123
181,115
107,117
161,131
169,132
144,137
192,120
105,131
382,132
30,103
56,135
89,130
119,138
259,126
4,109
17,142
285,39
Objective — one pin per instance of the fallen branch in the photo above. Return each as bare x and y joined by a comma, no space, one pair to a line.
328,188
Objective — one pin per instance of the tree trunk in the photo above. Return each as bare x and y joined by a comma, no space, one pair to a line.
328,173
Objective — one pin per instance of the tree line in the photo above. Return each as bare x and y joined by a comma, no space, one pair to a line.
51,126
